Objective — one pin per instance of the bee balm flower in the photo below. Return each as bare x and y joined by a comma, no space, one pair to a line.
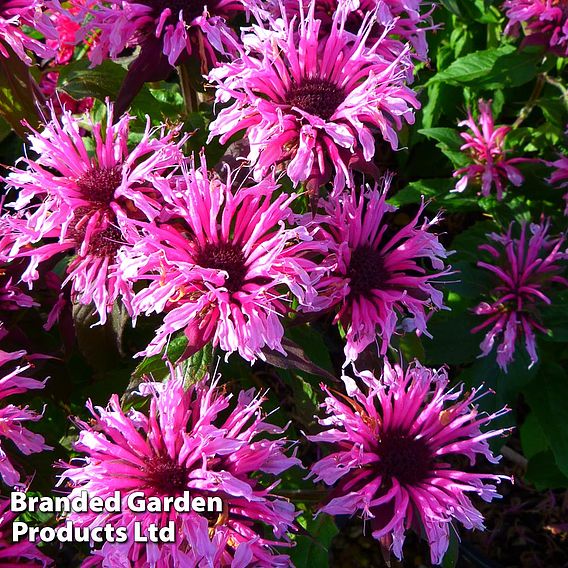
224,267
14,14
395,448
525,269
12,419
560,176
545,22
15,555
485,146
86,201
197,440
379,273
311,101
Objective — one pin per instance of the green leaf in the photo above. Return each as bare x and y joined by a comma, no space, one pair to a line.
449,141
101,345
450,559
471,67
543,472
17,88
438,191
155,366
105,80
547,398
314,552
491,69
198,365
533,438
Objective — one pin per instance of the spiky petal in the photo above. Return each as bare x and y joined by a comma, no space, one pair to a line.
397,455
525,271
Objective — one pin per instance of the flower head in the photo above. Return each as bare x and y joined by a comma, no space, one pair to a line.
403,18
14,14
87,200
525,268
225,265
378,272
174,29
397,457
560,176
16,555
545,22
304,111
196,440
485,147
12,419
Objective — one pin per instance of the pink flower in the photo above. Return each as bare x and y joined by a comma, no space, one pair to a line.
397,457
560,176
196,440
14,14
12,419
87,201
524,270
378,275
304,111
402,17
16,555
545,22
175,30
67,28
223,266
485,147
11,297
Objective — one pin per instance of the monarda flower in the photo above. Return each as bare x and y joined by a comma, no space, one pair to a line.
379,273
525,269
17,554
225,267
197,440
485,147
14,14
13,434
403,18
82,202
167,33
545,22
560,176
304,111
398,455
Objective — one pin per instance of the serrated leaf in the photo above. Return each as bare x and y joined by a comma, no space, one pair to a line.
491,69
198,365
156,366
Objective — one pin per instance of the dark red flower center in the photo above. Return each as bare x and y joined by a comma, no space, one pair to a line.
366,271
103,242
404,458
166,476
106,242
316,96
99,184
227,257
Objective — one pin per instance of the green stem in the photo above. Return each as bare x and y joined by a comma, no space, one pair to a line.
187,90
535,95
